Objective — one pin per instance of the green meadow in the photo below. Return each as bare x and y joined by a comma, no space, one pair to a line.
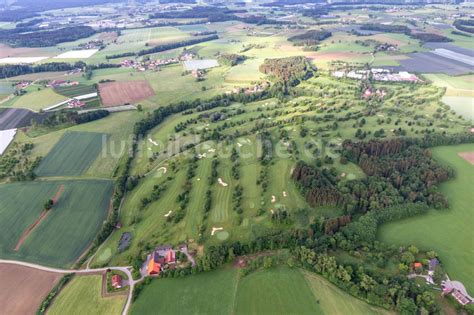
83,296
279,290
449,232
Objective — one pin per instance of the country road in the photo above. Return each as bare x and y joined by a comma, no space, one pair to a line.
87,270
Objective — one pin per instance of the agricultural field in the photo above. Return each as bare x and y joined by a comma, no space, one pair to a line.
19,282
447,231
56,237
36,99
279,290
83,295
66,157
75,90
120,93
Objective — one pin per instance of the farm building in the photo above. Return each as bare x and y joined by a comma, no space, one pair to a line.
162,257
116,281
457,290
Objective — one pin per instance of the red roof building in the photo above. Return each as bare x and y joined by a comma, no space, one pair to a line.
116,281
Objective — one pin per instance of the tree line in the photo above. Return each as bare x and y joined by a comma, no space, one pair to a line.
163,47
7,71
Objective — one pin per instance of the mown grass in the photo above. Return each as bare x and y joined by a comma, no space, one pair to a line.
75,90
449,232
65,232
83,296
278,290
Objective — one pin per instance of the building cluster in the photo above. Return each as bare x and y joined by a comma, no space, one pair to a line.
259,87
377,75
457,291
73,103
61,83
162,258
155,65
368,93
93,44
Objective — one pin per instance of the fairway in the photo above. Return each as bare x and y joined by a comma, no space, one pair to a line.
61,237
279,290
449,232
83,296
67,157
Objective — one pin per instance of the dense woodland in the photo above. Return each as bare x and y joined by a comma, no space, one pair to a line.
290,70
310,38
465,25
231,59
46,38
389,28
430,37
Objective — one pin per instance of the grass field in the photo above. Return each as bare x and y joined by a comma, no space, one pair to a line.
83,296
61,237
278,290
67,158
36,100
448,232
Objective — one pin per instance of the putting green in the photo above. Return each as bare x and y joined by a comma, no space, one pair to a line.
222,235
105,256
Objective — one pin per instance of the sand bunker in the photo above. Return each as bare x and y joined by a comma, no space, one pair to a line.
285,194
221,182
211,150
273,199
215,229
168,214
468,156
152,142
164,169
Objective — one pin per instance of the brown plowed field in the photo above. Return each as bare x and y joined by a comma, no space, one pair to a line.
125,92
22,289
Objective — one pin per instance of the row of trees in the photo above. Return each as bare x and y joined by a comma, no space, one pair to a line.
164,47
7,71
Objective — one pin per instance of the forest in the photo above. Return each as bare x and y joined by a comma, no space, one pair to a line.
46,38
290,70
310,38
386,28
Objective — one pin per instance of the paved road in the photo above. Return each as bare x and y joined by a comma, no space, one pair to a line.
126,270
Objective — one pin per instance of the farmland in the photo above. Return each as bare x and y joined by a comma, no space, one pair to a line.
279,290
19,282
66,159
268,149
113,94
83,296
63,234
447,231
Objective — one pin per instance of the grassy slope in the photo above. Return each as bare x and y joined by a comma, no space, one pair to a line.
448,232
65,233
334,301
278,290
37,100
83,296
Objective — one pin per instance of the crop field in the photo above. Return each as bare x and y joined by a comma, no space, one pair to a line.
11,118
279,290
448,232
119,93
67,159
431,63
83,296
75,90
65,232
19,282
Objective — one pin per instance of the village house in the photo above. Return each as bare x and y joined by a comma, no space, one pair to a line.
457,290
73,103
116,281
161,258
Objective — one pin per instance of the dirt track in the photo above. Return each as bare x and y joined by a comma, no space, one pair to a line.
128,92
22,289
468,156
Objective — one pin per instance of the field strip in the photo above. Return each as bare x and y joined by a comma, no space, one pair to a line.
41,217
